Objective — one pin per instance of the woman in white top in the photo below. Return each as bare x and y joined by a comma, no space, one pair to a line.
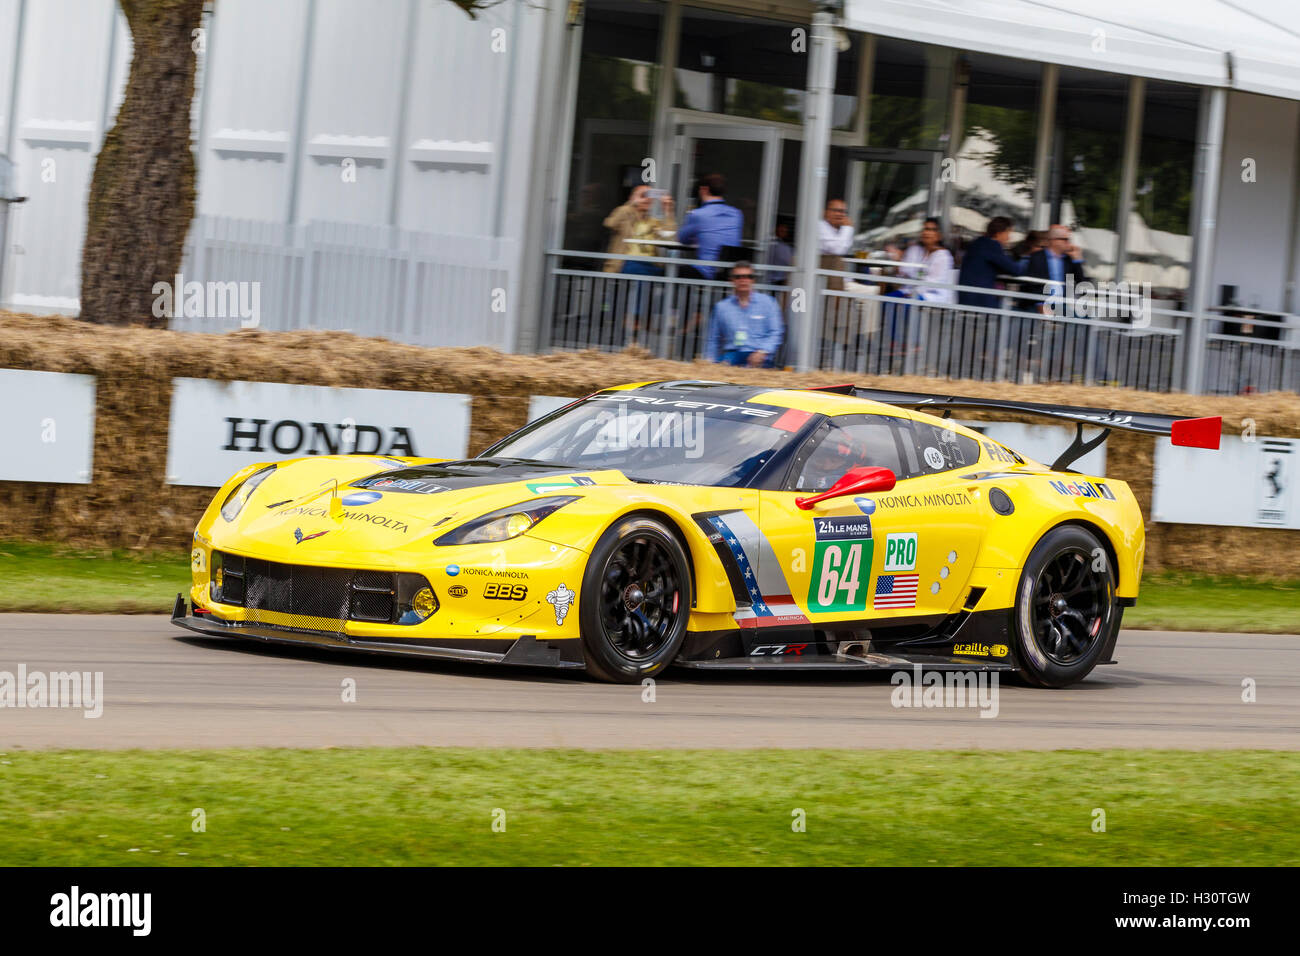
930,262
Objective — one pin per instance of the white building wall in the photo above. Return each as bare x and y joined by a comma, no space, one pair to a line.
398,210
248,106
73,59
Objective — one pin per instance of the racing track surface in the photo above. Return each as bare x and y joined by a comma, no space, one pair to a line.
166,688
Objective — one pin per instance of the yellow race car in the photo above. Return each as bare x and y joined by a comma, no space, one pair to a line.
699,524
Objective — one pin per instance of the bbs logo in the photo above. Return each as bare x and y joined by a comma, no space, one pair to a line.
506,592
458,590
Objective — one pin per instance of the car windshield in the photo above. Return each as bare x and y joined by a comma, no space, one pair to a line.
656,439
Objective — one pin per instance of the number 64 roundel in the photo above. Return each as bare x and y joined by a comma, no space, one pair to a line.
841,564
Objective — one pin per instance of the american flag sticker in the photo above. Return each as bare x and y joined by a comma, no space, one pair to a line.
895,590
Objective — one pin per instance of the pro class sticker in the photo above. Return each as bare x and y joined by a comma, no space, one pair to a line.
900,552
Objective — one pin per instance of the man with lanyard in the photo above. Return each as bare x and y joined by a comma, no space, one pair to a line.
746,327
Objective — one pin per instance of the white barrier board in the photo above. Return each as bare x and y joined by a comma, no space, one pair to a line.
1246,484
217,428
48,426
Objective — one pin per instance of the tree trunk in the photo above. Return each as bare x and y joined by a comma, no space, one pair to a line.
142,192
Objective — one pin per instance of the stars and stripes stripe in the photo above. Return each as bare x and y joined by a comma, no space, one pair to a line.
771,603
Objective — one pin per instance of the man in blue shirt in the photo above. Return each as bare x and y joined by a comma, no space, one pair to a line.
712,225
1059,257
1066,342
746,327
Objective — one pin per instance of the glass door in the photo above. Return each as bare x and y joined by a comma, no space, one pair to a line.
750,159
890,192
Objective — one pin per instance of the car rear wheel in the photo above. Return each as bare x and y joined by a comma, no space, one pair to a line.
1066,607
636,601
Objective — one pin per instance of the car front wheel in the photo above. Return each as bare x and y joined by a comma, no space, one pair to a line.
636,601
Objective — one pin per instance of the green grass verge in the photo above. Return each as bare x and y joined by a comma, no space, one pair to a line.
1203,602
423,806
36,577
41,577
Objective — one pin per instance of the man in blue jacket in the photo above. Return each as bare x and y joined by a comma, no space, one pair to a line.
712,225
746,328
985,260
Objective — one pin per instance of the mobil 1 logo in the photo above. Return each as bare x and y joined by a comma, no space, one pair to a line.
900,553
841,564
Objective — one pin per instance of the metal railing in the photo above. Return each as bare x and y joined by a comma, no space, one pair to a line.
1031,338
877,325
421,288
430,289
1237,363
667,313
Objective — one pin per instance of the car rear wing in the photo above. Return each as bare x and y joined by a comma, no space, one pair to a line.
1191,432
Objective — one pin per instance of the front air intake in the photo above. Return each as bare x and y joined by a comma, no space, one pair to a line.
304,597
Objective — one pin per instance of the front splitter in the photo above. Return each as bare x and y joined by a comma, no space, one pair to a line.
524,651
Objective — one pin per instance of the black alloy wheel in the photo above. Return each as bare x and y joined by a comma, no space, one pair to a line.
636,600
1066,613
1071,600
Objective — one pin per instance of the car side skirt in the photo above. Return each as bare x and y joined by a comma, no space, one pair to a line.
969,640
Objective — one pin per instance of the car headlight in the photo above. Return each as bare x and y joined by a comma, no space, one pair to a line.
505,523
234,502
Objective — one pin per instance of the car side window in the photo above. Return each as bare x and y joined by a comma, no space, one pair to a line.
852,441
942,449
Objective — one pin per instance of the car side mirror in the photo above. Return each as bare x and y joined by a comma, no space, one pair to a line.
856,481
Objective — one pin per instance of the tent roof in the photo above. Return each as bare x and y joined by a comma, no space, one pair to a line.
1251,45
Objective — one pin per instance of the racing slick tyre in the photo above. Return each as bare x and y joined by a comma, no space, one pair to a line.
1066,613
635,601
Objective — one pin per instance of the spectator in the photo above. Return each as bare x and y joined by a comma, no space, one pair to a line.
1054,261
1034,240
930,262
746,328
834,242
1059,258
711,226
781,253
985,260
632,220
834,231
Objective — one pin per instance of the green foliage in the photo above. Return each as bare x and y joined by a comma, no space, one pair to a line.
608,89
1013,135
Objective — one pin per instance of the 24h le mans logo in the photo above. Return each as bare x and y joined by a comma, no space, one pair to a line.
841,564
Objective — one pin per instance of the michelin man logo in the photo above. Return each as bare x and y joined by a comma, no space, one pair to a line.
561,597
